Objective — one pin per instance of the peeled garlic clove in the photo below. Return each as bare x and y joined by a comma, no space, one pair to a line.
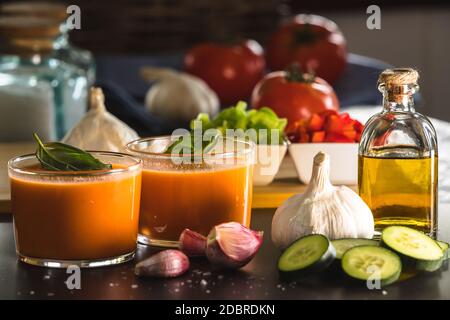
164,264
231,245
192,243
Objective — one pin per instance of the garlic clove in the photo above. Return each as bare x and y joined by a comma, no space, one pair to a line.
231,245
99,129
192,243
164,264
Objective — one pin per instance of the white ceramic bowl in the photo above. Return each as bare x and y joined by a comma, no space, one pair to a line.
343,160
268,161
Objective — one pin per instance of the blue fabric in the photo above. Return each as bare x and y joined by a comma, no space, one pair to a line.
125,90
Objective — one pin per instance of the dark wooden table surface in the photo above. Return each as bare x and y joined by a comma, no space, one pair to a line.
257,280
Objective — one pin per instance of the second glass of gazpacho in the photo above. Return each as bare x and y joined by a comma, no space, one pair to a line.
84,218
195,191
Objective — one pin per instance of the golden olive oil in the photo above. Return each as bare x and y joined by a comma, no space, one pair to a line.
400,191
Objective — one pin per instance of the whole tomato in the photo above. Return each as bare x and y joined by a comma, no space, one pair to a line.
314,42
231,71
294,95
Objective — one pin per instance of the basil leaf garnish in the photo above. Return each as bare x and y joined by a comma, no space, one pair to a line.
57,156
187,146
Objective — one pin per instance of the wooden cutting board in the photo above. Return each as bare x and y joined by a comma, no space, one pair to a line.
285,185
8,151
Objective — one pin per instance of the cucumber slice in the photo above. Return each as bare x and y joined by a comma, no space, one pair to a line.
370,263
414,247
309,254
342,245
444,246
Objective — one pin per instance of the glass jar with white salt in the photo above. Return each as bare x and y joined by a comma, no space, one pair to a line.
63,48
39,92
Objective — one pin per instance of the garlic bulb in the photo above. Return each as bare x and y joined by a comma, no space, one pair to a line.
178,95
99,129
334,211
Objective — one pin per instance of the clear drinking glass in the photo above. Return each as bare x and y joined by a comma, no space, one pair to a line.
84,218
177,194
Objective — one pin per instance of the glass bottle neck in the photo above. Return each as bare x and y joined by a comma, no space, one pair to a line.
398,102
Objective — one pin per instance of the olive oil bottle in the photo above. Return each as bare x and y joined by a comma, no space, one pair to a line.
398,158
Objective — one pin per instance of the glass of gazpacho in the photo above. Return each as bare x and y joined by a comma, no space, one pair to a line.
197,195
84,218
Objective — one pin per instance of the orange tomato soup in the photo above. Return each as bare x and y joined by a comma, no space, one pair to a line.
85,219
174,200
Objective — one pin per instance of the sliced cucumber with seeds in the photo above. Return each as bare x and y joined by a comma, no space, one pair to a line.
342,245
431,267
414,247
372,263
444,246
309,254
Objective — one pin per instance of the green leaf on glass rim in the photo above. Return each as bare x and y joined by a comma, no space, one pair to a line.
57,156
183,145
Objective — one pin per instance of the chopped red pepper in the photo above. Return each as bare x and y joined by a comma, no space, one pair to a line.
318,136
336,137
327,126
316,122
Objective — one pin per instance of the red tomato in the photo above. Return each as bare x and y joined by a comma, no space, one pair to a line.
314,42
294,99
231,71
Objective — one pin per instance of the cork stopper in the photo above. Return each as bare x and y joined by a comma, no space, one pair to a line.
398,77
21,26
399,83
35,9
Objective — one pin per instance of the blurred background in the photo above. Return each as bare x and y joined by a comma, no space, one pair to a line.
124,35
